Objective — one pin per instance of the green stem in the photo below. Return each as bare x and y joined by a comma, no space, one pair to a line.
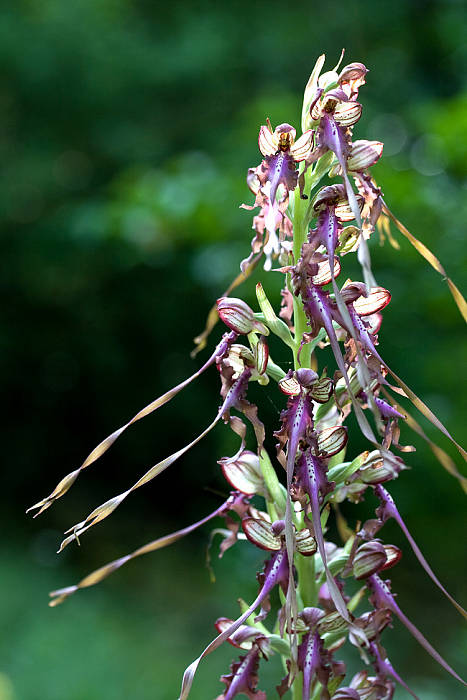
299,238
307,580
297,687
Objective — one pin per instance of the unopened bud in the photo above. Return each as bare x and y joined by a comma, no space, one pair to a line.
261,353
377,470
370,558
238,316
351,77
393,554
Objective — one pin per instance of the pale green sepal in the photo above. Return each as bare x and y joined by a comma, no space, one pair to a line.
337,458
357,598
274,371
281,646
276,491
341,472
310,91
275,324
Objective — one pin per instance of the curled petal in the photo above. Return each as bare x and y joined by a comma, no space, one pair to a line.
268,142
329,195
347,113
100,574
242,638
351,78
302,147
305,542
344,210
322,390
364,154
393,554
377,300
103,446
323,276
243,472
290,386
259,533
331,440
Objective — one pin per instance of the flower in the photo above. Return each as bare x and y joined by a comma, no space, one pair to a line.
281,154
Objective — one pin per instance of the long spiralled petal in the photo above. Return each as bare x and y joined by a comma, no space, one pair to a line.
385,668
390,510
64,485
385,599
431,258
104,510
443,458
268,141
100,574
276,573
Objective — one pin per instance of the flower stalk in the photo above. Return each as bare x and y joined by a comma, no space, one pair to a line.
316,202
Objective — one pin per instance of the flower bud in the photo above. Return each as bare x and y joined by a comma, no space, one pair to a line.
393,554
376,469
370,558
261,354
238,316
351,77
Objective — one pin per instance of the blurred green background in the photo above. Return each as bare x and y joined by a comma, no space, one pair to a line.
126,129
